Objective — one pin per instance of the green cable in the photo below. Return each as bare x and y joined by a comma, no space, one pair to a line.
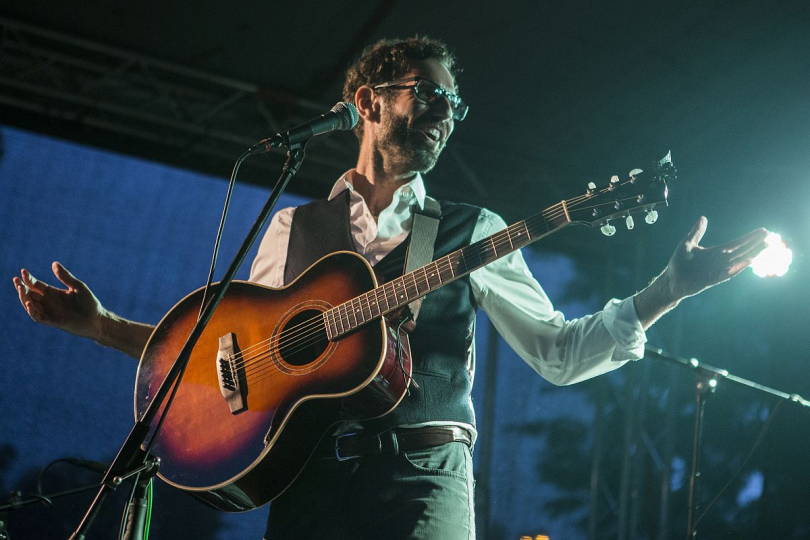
148,511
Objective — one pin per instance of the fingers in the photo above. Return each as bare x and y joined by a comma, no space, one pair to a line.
22,290
696,234
739,266
30,301
36,312
66,277
749,250
742,251
746,242
33,283
25,288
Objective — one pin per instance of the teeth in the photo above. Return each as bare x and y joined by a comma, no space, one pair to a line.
432,133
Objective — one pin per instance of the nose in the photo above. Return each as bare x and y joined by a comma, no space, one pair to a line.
441,108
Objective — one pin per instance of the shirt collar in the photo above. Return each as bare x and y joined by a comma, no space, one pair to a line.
417,185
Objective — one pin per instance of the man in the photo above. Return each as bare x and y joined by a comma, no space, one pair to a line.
410,476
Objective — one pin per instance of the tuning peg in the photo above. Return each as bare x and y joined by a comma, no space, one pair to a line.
608,229
651,217
630,223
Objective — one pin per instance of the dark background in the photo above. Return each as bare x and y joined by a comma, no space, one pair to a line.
560,95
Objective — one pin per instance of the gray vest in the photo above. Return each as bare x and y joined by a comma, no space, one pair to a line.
441,344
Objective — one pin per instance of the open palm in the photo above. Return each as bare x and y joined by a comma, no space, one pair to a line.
74,309
694,268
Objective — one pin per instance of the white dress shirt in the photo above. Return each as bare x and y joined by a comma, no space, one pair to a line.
563,352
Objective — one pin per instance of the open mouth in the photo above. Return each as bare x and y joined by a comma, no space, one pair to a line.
431,133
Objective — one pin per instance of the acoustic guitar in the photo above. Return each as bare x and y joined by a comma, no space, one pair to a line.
275,369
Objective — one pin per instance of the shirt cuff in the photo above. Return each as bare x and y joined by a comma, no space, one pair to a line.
622,323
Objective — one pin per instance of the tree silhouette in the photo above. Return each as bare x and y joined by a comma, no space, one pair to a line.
732,423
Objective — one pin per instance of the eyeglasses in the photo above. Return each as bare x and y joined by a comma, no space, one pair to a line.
430,92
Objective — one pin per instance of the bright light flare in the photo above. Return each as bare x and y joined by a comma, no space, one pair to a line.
774,260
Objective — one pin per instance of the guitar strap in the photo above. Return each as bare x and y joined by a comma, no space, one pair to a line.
423,237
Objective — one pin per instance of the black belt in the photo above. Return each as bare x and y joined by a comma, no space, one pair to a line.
391,442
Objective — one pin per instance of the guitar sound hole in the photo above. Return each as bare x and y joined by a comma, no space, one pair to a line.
303,339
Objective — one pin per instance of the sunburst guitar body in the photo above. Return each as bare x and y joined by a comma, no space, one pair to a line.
265,383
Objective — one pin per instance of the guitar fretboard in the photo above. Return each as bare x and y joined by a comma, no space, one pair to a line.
398,292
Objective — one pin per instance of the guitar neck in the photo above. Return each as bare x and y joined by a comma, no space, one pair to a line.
398,292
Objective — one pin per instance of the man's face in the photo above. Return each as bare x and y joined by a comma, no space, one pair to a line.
412,134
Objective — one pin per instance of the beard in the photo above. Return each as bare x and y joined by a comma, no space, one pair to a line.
404,148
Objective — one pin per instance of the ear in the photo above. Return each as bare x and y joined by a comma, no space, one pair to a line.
367,102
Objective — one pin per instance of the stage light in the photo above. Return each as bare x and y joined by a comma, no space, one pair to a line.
774,260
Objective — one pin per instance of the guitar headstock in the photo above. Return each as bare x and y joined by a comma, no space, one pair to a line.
641,192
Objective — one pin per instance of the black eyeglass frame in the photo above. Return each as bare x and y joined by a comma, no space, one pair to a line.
457,105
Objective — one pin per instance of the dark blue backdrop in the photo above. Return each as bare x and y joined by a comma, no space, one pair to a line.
141,235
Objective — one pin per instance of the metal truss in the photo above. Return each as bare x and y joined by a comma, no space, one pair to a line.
63,85
640,486
634,443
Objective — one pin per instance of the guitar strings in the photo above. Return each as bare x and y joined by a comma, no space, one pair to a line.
343,312
346,309
257,374
316,332
309,332
500,233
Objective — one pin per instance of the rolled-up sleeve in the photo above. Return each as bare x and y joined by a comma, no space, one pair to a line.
562,351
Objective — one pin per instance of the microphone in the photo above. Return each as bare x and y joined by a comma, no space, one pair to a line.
343,116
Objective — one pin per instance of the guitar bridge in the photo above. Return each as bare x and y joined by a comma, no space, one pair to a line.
231,374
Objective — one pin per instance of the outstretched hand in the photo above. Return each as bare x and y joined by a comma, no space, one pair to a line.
694,268
74,309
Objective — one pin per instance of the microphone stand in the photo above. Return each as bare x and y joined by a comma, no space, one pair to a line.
130,458
139,506
16,501
706,380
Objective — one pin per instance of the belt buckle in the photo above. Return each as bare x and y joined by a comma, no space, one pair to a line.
337,446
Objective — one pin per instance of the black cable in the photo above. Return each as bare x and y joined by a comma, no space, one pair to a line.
42,472
176,384
231,185
76,462
123,526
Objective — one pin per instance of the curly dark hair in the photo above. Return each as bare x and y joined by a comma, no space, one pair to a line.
389,59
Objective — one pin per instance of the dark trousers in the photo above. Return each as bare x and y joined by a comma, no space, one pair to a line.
425,494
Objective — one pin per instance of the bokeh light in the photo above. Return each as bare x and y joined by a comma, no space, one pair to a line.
774,260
